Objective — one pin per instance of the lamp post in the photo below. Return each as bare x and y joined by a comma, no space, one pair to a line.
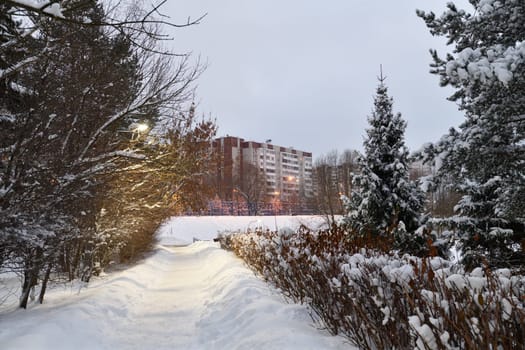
293,194
275,207
276,202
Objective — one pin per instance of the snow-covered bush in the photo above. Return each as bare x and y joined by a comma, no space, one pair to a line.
382,300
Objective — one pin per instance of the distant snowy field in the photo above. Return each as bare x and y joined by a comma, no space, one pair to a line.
191,297
184,230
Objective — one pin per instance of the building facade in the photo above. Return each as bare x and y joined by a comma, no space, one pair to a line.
263,172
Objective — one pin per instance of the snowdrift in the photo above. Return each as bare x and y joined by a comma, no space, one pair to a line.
193,297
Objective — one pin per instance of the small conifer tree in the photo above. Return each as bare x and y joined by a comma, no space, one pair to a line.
384,201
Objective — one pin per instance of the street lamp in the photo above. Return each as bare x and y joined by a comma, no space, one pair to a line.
141,128
138,130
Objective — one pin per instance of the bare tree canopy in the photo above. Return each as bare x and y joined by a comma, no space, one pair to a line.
99,140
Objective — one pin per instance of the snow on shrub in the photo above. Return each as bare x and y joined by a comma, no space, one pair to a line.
381,300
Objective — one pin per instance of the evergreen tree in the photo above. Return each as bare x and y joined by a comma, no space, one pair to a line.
384,201
486,156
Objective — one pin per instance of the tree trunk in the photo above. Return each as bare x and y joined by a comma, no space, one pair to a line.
44,284
87,264
75,264
30,280
32,267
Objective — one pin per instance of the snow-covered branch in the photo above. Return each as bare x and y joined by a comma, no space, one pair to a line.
123,154
17,67
54,10
495,62
48,8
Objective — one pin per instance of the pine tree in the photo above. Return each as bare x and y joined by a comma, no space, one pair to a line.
486,156
384,201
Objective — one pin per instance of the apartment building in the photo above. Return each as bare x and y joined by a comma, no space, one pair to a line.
285,173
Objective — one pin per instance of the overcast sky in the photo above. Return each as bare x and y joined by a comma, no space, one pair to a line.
303,73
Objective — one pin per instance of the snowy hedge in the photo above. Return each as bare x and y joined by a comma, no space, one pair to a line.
381,300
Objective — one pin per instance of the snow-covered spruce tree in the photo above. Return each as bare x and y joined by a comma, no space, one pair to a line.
486,156
384,201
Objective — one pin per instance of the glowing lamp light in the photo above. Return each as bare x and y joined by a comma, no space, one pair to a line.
142,127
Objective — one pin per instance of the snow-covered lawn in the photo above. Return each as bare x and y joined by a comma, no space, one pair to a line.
188,297
186,229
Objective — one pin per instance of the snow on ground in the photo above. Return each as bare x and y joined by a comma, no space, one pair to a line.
186,229
192,297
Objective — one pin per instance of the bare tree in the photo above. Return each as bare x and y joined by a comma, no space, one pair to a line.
252,187
333,175
327,184
90,88
347,167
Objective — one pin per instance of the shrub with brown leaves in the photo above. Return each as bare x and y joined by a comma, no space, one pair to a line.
363,290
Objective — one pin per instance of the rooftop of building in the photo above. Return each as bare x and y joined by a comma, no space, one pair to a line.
267,144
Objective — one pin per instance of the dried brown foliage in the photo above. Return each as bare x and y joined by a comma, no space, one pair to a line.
358,289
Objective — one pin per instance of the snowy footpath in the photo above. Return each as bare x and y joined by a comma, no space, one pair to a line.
189,297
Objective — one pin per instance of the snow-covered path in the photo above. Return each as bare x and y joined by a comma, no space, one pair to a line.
193,297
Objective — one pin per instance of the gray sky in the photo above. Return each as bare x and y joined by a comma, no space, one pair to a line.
303,73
